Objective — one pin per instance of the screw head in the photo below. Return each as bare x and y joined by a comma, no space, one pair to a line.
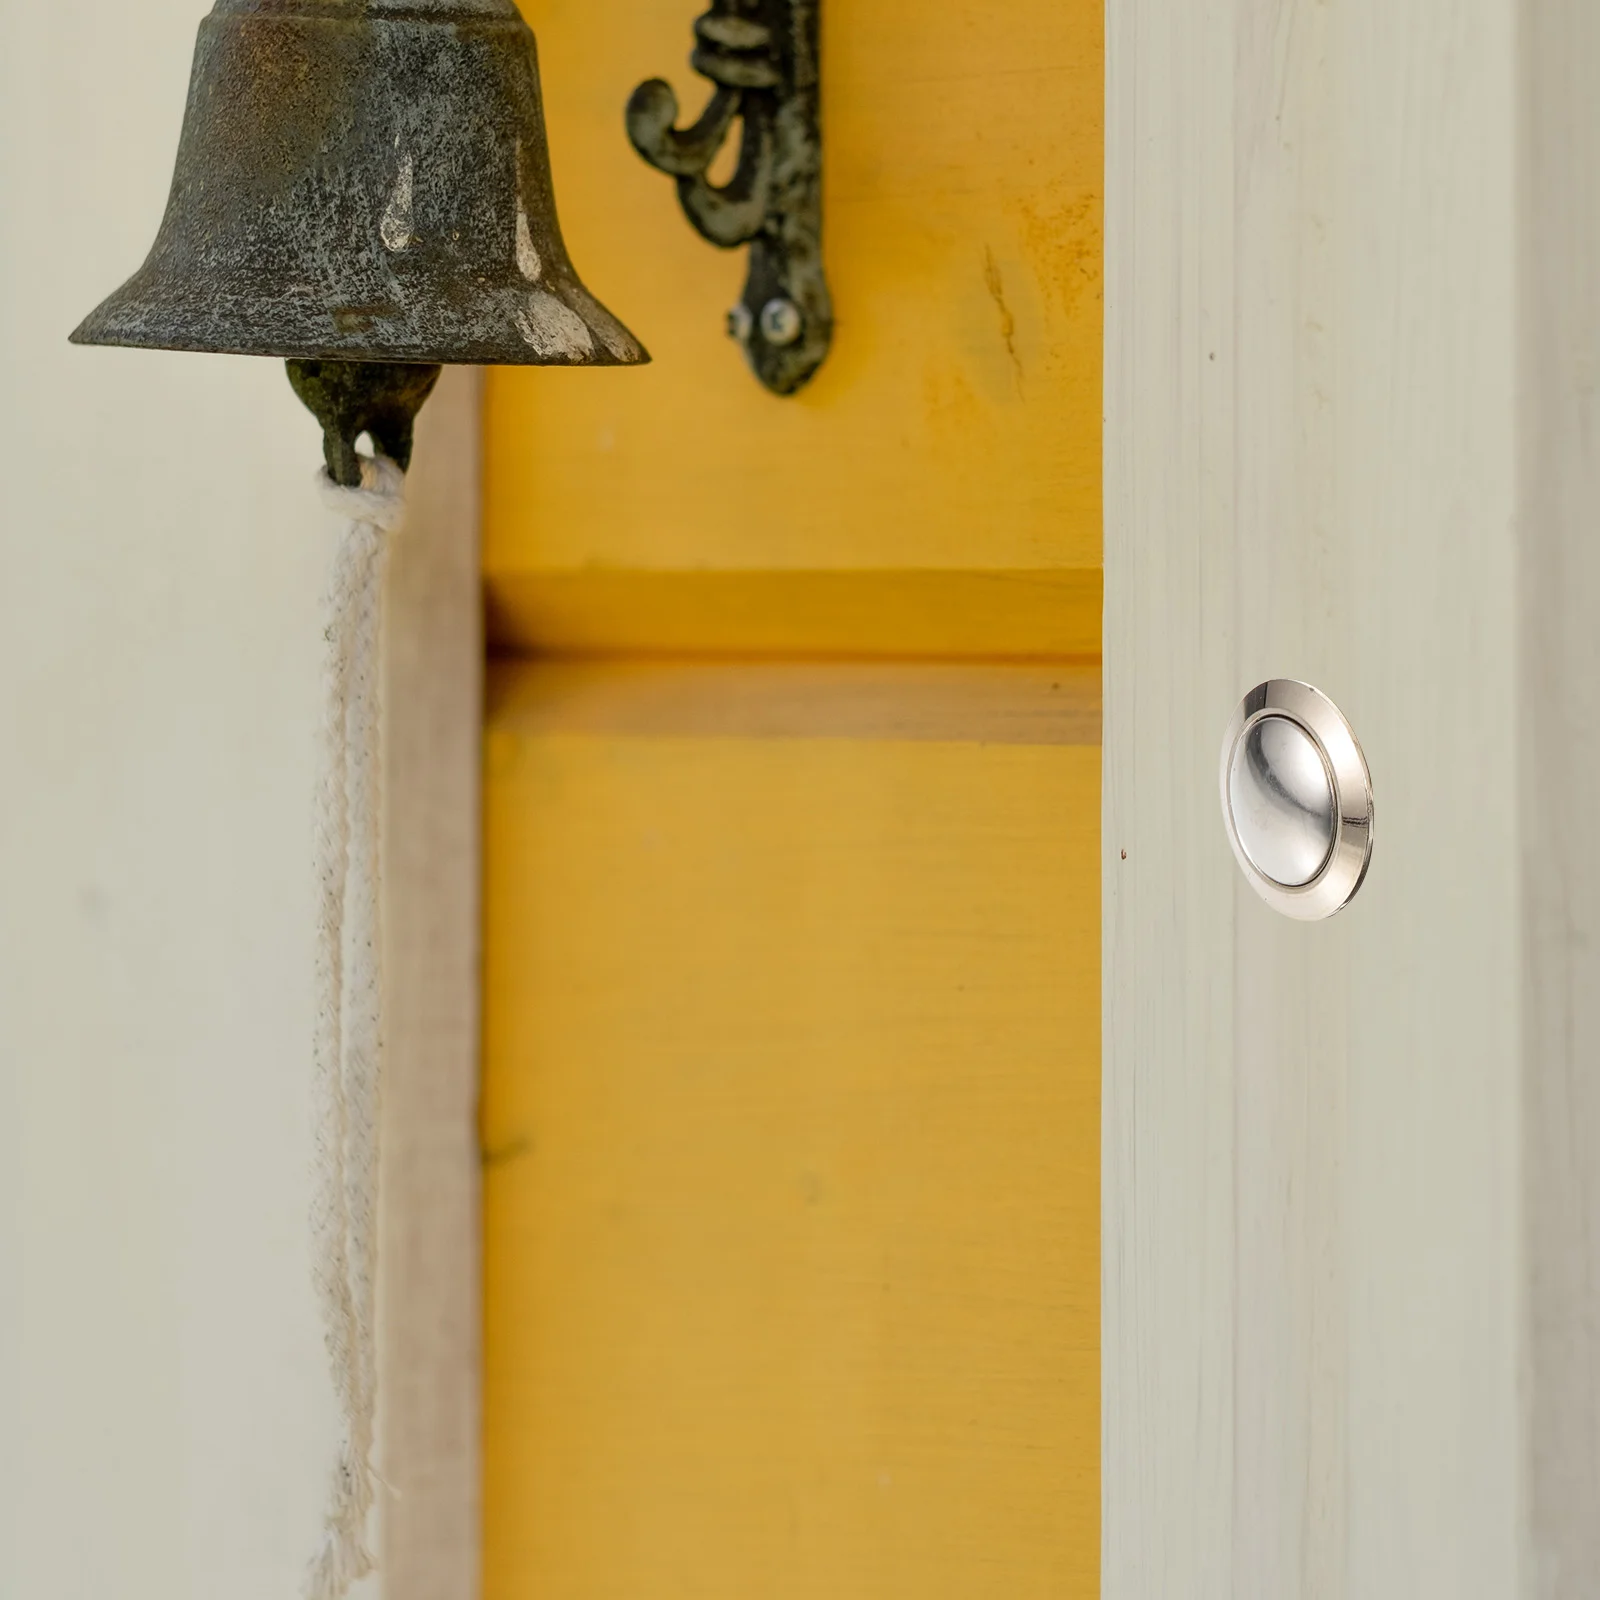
781,322
740,323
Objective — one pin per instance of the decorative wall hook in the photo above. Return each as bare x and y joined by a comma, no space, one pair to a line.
763,57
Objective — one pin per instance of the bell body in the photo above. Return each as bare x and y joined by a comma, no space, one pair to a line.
364,180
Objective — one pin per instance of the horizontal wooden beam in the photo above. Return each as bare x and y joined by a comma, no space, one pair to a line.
1050,613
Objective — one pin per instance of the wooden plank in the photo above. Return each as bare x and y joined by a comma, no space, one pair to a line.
922,701
1312,1262
1559,718
430,1245
1053,612
956,425
1167,1147
791,1125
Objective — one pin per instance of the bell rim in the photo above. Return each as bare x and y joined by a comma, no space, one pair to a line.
84,336
416,262
140,316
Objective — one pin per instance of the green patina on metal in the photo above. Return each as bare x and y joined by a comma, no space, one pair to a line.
351,398
764,58
364,181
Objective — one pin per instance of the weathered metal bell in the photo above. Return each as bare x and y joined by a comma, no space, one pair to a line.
364,181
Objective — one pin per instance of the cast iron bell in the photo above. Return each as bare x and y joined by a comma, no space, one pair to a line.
364,182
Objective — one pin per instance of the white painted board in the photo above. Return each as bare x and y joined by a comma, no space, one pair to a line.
1348,1298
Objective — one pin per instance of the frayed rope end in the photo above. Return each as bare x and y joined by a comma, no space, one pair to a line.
381,499
344,1558
342,1562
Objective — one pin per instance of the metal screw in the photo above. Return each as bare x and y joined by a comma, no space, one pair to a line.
740,323
781,322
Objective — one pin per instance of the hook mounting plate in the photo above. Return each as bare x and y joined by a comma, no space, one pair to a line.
763,56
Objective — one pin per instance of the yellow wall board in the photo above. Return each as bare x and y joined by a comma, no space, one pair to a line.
957,423
1042,703
949,613
791,1100
791,1131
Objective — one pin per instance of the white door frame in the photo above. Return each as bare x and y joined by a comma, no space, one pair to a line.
431,1246
1352,1169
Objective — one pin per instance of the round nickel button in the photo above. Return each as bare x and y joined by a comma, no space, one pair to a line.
1297,799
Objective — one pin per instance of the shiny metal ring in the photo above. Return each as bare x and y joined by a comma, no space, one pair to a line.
1297,799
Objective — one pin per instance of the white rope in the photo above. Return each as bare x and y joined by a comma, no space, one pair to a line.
347,1044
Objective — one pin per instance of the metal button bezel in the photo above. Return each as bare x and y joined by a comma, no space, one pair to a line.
1345,869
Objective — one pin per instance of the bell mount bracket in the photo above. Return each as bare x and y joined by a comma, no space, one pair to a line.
763,57
349,398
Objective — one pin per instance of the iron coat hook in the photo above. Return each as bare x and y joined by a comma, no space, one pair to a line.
763,57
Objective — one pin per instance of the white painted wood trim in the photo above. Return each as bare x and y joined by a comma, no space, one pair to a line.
1559,717
1351,1206
430,1254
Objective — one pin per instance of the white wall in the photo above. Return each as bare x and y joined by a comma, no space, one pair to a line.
164,1419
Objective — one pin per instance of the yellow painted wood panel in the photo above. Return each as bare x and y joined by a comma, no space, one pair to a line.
791,1127
956,426
1055,612
1046,703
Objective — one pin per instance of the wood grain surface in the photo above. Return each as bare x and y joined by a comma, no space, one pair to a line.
1350,1237
792,1039
956,425
791,1142
430,1246
1559,715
